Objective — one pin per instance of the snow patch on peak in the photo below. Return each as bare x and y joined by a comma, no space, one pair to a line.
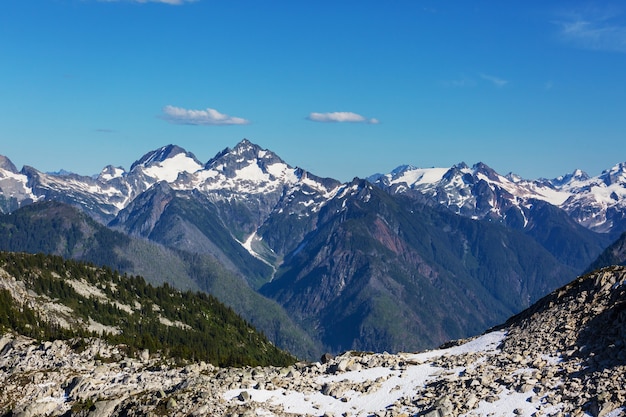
169,169
251,172
418,176
110,172
161,155
615,175
245,146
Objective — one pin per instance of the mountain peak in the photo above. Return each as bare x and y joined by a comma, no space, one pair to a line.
482,168
110,172
162,154
6,164
615,175
252,150
243,154
245,144
167,163
576,175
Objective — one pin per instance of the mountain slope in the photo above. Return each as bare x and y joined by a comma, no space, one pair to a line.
51,299
538,208
58,229
615,254
188,221
381,273
443,252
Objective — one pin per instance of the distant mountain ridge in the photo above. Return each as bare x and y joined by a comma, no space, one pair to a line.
597,203
444,252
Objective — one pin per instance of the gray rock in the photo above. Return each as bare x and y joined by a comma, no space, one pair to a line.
244,396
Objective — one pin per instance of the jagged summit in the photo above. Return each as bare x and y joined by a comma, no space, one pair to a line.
615,175
110,172
243,155
7,165
162,154
577,175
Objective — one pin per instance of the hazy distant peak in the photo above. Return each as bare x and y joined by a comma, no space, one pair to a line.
486,170
576,175
615,175
110,172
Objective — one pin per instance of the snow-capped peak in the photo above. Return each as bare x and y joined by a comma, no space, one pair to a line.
162,154
110,172
615,175
167,163
479,192
577,176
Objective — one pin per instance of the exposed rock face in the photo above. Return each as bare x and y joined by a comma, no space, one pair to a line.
565,356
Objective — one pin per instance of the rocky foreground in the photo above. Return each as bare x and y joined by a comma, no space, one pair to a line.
566,356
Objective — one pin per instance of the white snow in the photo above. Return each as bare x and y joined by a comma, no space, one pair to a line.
252,172
247,244
420,176
169,169
509,401
280,170
15,185
117,173
397,383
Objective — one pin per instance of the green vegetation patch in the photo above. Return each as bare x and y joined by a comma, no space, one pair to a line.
184,325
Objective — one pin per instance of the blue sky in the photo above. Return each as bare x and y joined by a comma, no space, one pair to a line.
340,88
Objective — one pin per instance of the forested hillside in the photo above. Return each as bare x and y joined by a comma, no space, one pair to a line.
49,298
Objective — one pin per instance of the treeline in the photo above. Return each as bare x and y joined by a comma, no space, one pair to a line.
183,325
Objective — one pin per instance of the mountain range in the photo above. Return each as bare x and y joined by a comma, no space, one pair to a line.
398,261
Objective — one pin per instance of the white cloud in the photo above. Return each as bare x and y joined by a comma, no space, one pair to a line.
172,2
209,116
498,82
340,117
594,31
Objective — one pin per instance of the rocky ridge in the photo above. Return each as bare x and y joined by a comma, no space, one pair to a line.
565,356
596,203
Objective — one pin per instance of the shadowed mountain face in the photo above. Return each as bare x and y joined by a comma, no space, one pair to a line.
615,254
384,273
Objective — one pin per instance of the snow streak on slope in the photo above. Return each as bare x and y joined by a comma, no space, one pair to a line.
14,185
